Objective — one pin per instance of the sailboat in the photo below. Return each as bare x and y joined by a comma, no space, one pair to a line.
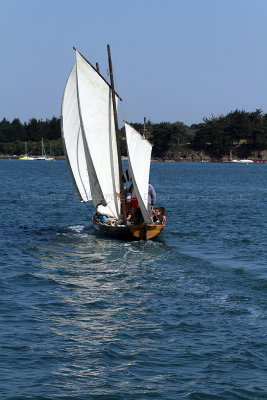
43,156
26,157
89,127
50,157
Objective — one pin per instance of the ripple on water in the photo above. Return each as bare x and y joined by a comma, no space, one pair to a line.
180,317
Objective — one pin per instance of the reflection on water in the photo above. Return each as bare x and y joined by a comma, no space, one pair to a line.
97,305
88,317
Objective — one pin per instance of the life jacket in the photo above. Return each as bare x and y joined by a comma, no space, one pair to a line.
164,220
134,203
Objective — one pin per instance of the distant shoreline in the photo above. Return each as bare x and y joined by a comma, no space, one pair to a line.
8,156
190,158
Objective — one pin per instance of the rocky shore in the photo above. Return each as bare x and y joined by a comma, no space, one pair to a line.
193,156
200,156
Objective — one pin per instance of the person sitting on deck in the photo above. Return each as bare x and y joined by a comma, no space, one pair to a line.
130,213
155,215
159,216
130,191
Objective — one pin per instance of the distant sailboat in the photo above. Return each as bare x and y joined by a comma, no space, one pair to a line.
242,161
43,152
26,156
90,136
50,157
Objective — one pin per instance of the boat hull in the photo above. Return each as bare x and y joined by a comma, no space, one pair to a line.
145,232
129,232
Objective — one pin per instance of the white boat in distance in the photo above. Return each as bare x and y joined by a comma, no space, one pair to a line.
242,161
43,156
50,157
26,157
89,127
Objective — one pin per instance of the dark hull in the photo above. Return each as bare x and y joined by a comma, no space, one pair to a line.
116,232
130,232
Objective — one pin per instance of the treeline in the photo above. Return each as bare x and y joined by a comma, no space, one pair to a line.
164,136
217,136
13,136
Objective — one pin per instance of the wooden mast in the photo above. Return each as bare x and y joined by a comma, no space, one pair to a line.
122,191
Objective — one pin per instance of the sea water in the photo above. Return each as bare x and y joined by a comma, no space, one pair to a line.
84,317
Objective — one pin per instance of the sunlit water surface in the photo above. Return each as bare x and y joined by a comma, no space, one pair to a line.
181,317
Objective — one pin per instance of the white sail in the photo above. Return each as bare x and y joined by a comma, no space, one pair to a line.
90,137
139,155
72,138
98,129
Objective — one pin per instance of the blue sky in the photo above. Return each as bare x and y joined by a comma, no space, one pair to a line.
174,60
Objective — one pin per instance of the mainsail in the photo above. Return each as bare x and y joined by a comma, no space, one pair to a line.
89,137
139,155
72,138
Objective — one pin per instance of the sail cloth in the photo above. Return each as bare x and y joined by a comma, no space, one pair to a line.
72,139
139,155
91,110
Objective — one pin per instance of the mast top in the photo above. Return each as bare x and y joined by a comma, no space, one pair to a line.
97,71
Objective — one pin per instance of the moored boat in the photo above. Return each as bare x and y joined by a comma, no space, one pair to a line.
43,156
242,161
50,157
26,157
